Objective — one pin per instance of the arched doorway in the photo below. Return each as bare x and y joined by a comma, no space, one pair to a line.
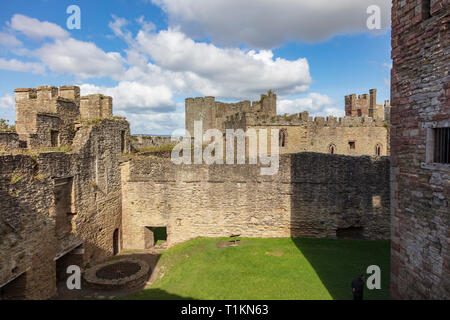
116,242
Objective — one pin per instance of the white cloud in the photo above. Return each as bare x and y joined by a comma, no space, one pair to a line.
150,109
135,96
7,111
268,23
9,40
155,123
36,29
16,65
315,103
83,59
223,72
7,102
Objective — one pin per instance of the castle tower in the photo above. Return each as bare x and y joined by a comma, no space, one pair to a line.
71,93
269,103
200,109
372,102
95,106
420,155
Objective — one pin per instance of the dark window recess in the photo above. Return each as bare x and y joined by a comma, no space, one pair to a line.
116,242
378,150
283,134
441,145
64,205
426,9
352,232
352,144
54,138
15,289
331,149
359,113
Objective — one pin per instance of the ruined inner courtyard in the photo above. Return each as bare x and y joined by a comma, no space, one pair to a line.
248,202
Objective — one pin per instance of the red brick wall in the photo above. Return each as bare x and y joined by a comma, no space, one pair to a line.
419,189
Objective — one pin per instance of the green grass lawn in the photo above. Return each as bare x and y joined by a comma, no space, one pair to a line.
268,269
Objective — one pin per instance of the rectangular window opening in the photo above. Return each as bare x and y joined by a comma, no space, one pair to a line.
441,145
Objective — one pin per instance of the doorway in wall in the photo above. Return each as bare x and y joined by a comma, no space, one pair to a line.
74,257
14,289
116,242
355,233
154,236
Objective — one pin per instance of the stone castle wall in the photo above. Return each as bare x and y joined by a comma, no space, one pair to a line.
9,140
47,110
303,134
143,142
55,202
420,96
213,114
312,195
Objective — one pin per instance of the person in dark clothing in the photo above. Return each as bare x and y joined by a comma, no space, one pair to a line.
358,287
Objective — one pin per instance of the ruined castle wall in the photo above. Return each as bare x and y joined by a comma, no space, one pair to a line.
41,221
420,99
142,142
9,140
26,231
312,195
200,109
214,114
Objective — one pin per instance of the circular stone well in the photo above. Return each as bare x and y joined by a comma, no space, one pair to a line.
117,274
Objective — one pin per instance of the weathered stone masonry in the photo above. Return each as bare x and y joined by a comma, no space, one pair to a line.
420,98
59,208
313,195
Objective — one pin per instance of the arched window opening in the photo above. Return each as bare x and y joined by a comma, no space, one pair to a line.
332,148
283,135
378,149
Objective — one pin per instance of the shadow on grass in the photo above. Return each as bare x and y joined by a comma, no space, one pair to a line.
156,294
337,262
335,193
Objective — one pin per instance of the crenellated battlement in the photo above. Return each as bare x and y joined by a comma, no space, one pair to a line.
299,119
365,105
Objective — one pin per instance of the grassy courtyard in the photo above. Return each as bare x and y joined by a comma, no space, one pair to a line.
268,269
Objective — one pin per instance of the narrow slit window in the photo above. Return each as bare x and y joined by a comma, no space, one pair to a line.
283,134
426,9
378,149
441,145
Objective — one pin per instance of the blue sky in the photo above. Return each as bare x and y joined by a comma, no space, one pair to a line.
151,54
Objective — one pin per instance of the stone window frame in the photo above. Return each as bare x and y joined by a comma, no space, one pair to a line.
429,145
